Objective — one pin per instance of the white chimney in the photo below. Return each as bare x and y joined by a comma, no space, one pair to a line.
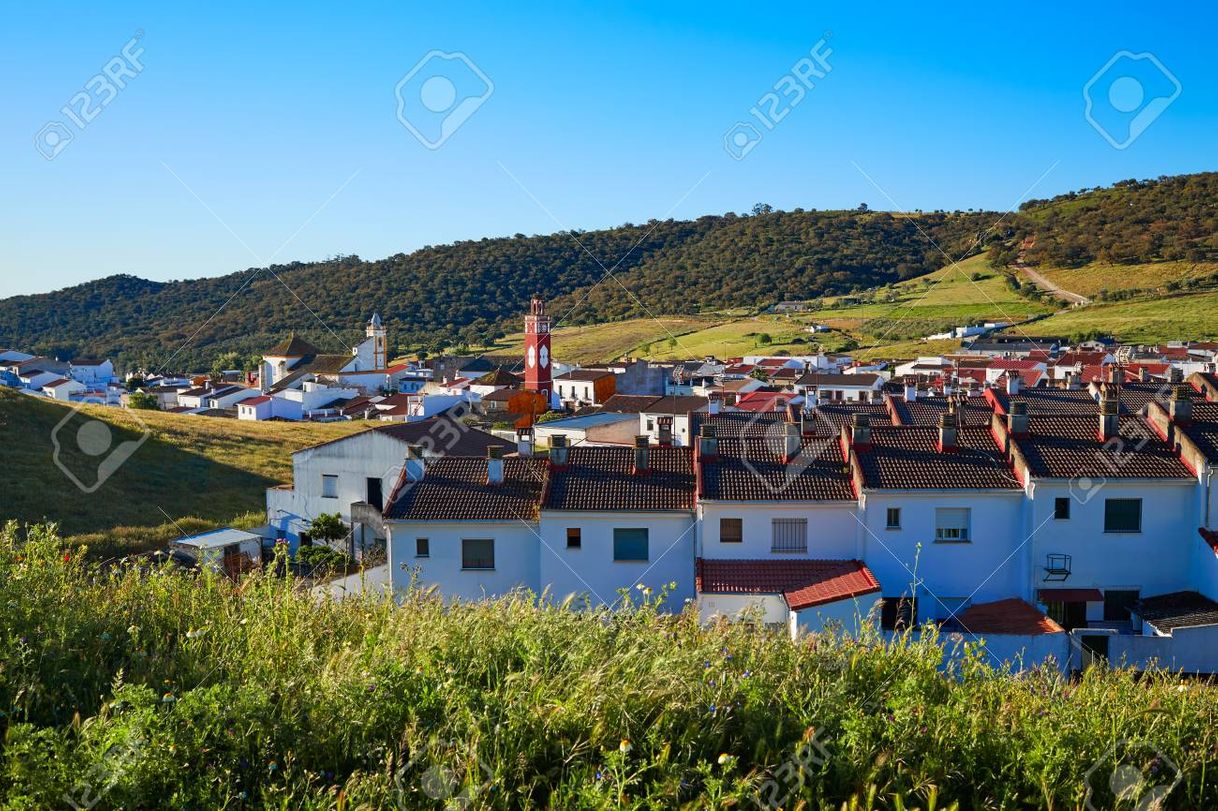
559,450
1180,406
524,441
708,443
494,464
712,406
642,453
911,389
1014,382
415,466
948,434
1110,421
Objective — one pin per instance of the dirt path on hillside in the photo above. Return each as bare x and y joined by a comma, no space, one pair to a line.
1049,287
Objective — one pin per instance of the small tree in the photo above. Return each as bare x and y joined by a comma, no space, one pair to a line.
328,527
765,339
143,401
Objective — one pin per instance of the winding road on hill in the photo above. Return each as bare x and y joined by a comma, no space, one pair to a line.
1049,287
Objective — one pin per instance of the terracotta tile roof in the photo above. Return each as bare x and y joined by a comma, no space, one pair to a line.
56,383
1016,364
803,583
454,488
1066,446
628,403
753,470
1012,616
293,347
908,458
1047,401
440,435
584,375
763,401
676,404
602,479
1134,397
838,414
499,377
733,424
264,398
862,379
1180,609
927,410
1202,429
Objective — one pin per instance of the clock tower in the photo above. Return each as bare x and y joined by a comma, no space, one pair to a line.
537,360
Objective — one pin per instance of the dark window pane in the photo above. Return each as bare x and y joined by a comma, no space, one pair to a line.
731,530
1061,509
477,553
630,544
1123,515
575,538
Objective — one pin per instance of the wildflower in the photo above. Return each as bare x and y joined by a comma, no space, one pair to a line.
66,557
272,766
712,709
725,759
639,586
746,674
195,634
706,665
647,591
600,775
168,698
1183,688
625,746
104,636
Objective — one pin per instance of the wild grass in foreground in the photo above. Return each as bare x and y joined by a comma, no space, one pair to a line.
141,688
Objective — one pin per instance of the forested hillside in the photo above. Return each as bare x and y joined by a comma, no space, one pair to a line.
472,290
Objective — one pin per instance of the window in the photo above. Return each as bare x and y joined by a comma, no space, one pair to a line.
731,530
951,525
790,535
375,497
1117,603
329,486
575,539
894,518
898,613
422,547
1061,508
477,553
629,544
651,424
1123,515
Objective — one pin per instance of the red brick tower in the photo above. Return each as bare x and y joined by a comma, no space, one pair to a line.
537,360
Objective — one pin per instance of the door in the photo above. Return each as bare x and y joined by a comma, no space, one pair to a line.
1069,615
1095,649
374,494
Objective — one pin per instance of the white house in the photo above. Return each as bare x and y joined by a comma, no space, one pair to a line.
825,387
362,469
62,388
91,371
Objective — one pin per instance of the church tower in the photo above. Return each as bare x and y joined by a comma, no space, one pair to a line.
380,344
537,360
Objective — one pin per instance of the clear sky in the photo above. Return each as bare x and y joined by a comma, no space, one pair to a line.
249,135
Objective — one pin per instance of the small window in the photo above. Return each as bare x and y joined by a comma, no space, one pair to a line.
477,553
329,486
1123,515
575,539
629,544
1061,509
731,530
789,535
422,547
651,424
951,525
894,518
898,613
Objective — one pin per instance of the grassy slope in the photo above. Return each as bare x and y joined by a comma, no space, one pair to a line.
212,469
1152,320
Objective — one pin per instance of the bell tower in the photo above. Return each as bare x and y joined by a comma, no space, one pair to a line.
537,360
380,349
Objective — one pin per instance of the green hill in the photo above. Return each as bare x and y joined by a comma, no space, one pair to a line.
472,291
192,467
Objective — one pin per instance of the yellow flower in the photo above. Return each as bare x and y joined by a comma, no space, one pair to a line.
724,759
625,746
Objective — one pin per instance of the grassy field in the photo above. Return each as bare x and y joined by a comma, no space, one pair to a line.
598,343
1153,320
208,469
130,689
1092,279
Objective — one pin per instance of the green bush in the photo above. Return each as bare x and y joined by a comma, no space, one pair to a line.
147,688
323,556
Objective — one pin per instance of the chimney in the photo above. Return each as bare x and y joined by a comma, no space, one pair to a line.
665,430
708,443
811,397
524,441
791,440
642,454
1143,374
1014,382
947,433
1072,380
860,431
415,467
911,389
1017,419
1114,373
712,403
494,464
559,452
1180,406
1110,421
1175,375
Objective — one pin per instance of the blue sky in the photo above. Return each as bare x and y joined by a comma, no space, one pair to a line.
272,134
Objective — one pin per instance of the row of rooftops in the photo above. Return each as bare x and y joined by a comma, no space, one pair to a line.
812,456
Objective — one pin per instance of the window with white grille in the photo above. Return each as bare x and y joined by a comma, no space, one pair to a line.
790,535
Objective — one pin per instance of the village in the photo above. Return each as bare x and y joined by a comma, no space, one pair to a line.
1053,501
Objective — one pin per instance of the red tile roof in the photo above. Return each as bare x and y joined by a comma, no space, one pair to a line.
1012,616
603,479
753,470
763,401
454,488
803,583
1066,446
908,458
1180,609
265,398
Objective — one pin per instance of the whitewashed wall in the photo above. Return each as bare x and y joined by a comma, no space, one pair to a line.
516,557
592,570
833,531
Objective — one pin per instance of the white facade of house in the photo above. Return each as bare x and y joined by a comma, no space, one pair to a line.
834,529
92,373
64,390
516,556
